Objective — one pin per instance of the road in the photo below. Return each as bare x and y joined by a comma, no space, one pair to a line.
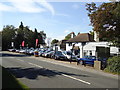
38,72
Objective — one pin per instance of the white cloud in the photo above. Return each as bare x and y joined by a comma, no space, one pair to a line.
5,7
66,31
26,6
29,6
46,5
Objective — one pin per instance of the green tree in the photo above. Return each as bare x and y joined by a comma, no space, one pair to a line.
22,33
54,41
8,36
68,37
19,35
105,20
43,36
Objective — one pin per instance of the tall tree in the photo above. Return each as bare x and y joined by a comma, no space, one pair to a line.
105,19
43,37
20,35
8,36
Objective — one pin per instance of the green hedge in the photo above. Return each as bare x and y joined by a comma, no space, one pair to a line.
113,65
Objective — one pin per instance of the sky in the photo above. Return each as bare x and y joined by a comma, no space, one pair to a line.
55,18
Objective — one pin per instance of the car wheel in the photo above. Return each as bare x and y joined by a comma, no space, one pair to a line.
82,62
55,58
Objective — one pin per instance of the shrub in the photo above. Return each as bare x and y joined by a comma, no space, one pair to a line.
113,65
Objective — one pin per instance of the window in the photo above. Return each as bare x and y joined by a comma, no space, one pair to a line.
70,44
91,53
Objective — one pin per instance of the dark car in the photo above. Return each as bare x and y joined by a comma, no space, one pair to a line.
59,55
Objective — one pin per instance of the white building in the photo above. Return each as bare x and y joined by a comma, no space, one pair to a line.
88,45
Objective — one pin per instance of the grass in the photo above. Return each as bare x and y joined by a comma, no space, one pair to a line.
108,71
10,82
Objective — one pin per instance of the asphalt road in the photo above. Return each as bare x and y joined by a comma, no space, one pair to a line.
37,72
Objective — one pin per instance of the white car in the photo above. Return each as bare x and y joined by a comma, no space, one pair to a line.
69,54
22,51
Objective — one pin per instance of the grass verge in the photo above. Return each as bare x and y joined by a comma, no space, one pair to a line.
10,82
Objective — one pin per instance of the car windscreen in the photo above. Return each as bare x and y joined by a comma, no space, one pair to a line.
59,53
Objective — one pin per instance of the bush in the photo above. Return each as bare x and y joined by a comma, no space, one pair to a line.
113,65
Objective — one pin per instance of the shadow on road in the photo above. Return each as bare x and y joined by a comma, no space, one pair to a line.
13,55
33,73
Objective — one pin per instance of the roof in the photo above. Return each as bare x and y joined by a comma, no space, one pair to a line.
82,37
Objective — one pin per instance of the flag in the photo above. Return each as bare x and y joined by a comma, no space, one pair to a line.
23,43
36,42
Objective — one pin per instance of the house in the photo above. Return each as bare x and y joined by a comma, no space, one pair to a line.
89,45
79,42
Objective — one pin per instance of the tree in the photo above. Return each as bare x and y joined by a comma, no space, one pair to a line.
19,35
68,37
54,41
105,20
43,36
22,33
8,36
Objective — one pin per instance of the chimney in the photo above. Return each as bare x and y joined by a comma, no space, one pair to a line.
72,34
96,36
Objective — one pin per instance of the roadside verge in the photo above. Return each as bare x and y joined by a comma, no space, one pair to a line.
10,82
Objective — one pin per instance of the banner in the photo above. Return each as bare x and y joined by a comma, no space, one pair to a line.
23,43
36,42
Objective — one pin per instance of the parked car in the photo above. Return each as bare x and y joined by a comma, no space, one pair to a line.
22,51
90,60
49,54
31,51
41,52
59,55
69,54
17,50
11,50
44,54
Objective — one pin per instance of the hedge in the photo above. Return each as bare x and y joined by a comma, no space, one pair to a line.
113,65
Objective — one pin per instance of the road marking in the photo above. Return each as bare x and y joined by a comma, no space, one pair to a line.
11,57
65,75
20,60
35,65
76,79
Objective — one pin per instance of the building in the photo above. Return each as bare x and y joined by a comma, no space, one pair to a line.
89,45
79,42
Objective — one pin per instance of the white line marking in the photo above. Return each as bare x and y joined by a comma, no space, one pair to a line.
11,57
76,79
66,75
20,60
35,65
